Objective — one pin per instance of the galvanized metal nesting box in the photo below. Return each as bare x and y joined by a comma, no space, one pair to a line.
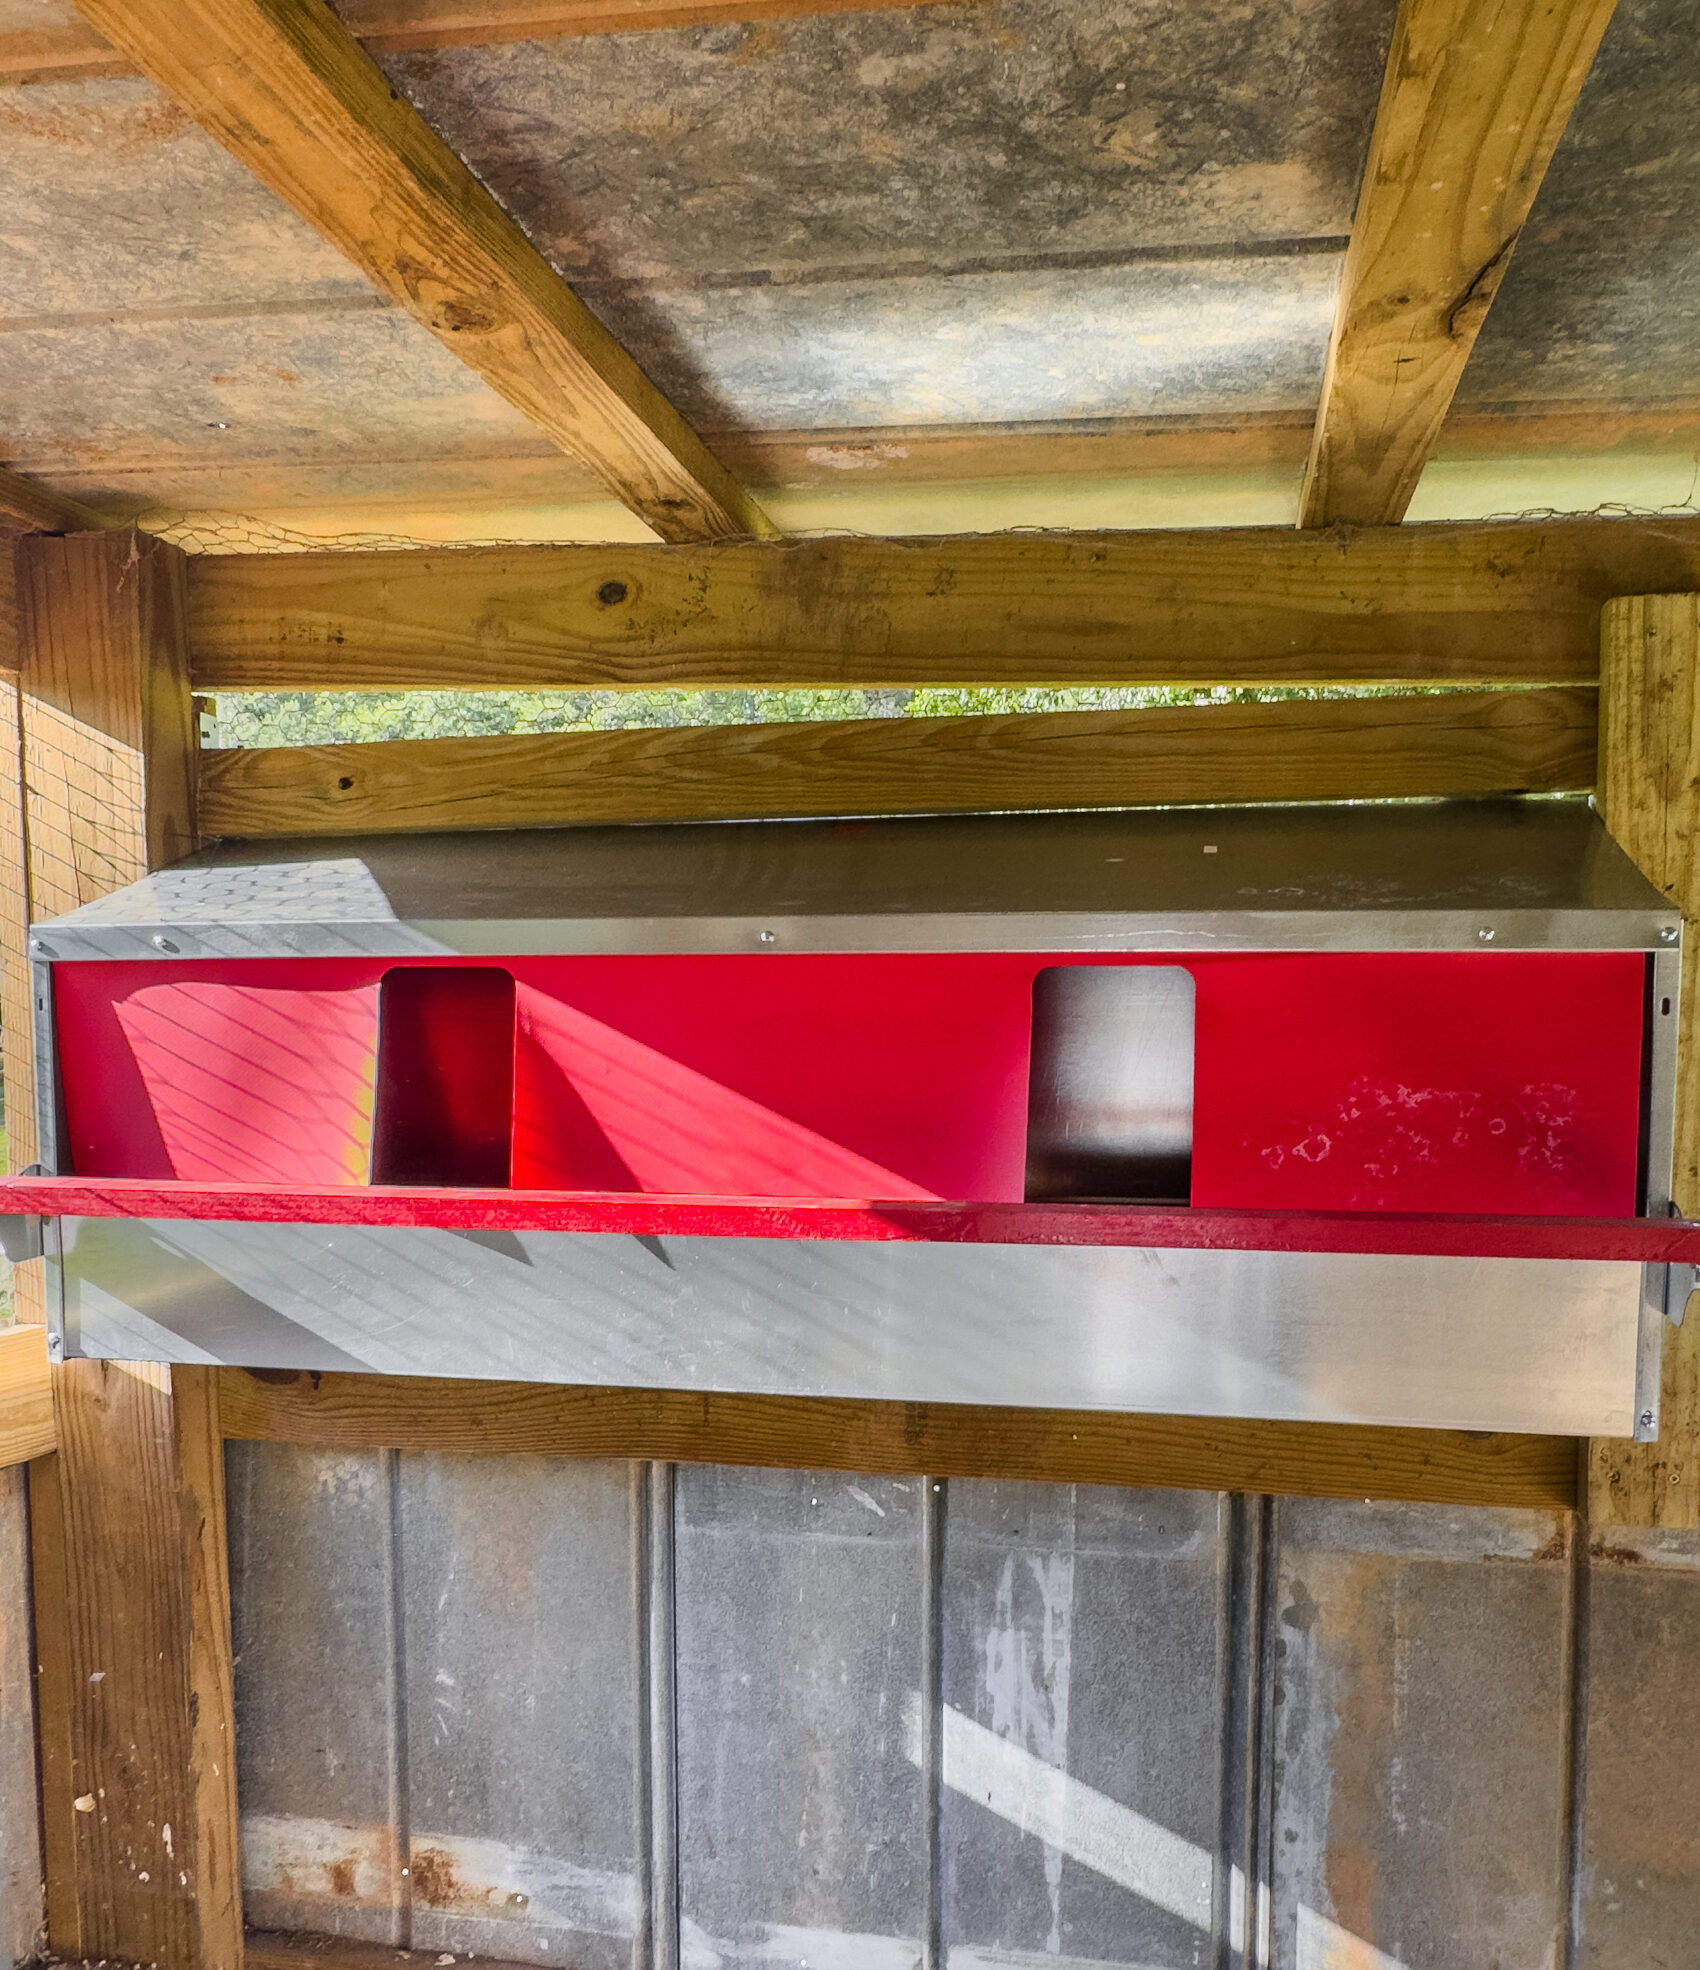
1291,1112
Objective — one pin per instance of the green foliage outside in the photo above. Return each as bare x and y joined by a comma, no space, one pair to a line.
306,718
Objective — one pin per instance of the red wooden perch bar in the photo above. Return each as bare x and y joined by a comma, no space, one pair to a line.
1650,1241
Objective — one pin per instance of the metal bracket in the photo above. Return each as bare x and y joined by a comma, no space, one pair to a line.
1680,1280
20,1236
21,1231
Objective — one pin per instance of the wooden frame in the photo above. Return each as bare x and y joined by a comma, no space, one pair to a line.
289,91
131,1567
493,1419
1476,95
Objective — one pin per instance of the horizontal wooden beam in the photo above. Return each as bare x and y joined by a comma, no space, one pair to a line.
75,52
290,93
1514,603
399,1412
1442,743
26,1396
30,507
513,488
1476,96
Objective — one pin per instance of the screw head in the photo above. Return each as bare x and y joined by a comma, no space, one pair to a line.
1668,933
1646,1419
165,944
1485,935
767,937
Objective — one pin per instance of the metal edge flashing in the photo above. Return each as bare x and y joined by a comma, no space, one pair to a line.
1134,932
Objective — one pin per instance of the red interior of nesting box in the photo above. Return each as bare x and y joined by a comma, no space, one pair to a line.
1451,1082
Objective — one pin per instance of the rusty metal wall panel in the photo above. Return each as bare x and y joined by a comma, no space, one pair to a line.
313,1631
722,1719
20,1828
1639,1880
521,1670
1083,1635
1421,1736
802,1826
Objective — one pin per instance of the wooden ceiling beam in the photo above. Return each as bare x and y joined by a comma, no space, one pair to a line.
285,87
78,53
28,507
1432,744
1476,96
1517,602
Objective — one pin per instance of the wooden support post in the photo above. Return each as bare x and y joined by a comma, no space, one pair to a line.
215,1879
132,1612
17,1055
1650,798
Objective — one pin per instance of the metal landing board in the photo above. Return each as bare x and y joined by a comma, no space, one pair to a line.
1539,1345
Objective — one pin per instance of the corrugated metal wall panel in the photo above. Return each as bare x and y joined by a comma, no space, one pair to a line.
521,1652
1422,1734
1639,1880
898,1723
1083,1634
799,1612
312,1618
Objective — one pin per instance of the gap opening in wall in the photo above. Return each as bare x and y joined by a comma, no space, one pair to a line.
323,717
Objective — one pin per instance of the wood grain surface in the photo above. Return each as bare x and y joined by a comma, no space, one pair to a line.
1650,800
1511,603
289,91
404,1412
1476,95
1449,743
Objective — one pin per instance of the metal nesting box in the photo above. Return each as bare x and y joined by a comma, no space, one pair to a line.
1335,1114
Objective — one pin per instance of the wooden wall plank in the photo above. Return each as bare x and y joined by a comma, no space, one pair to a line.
108,737
120,1608
17,1051
1476,96
1443,743
402,1412
285,87
216,1855
56,1738
26,1396
1513,603
109,747
1650,800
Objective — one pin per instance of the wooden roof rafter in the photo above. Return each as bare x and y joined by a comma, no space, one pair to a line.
26,506
289,91
1476,96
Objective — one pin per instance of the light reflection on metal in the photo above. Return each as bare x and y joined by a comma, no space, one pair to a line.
1472,1343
